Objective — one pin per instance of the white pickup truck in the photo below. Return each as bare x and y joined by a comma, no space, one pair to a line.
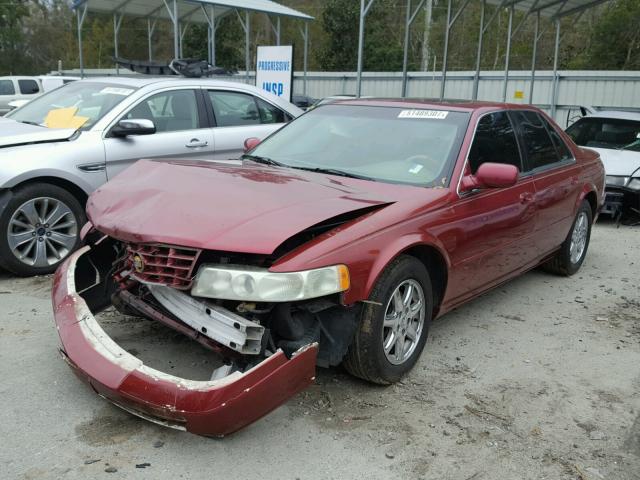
16,91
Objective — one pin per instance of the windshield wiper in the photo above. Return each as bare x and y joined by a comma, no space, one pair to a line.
265,160
333,171
30,123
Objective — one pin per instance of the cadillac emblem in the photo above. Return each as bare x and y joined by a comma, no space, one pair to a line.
138,263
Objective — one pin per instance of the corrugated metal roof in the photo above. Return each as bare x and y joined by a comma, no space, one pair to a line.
549,8
188,10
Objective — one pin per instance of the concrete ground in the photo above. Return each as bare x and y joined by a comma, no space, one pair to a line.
538,379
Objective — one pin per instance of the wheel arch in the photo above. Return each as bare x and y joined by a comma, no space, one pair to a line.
79,193
426,250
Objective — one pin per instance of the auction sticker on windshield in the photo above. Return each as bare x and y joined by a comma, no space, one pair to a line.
430,114
116,91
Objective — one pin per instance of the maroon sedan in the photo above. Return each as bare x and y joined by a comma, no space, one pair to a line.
336,240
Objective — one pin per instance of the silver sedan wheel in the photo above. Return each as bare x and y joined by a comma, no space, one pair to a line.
42,232
403,322
579,237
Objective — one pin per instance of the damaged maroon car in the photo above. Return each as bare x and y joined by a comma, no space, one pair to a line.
336,240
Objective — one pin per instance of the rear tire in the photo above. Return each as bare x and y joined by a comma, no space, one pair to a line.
39,228
573,251
393,331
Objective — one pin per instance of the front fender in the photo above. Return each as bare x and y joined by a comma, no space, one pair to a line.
86,186
390,252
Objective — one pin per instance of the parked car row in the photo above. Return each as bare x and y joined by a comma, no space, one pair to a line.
337,239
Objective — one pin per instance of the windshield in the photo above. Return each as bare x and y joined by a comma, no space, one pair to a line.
397,145
606,133
75,105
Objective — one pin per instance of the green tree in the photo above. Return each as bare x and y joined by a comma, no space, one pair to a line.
12,58
383,34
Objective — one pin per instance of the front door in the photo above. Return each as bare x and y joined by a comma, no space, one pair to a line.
182,131
493,239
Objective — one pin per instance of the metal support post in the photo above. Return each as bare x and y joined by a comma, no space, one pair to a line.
305,36
506,56
554,90
117,21
364,9
536,37
80,16
410,17
450,23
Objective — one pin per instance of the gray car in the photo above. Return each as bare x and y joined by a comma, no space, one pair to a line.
61,146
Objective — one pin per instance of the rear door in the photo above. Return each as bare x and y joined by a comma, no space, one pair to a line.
182,130
555,175
238,116
495,236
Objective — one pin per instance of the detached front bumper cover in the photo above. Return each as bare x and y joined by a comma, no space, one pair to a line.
211,408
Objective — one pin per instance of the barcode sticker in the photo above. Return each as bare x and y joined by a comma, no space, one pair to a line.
428,114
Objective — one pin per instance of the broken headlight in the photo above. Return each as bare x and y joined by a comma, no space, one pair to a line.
616,181
634,184
260,285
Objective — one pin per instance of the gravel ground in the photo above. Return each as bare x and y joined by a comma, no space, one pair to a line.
538,379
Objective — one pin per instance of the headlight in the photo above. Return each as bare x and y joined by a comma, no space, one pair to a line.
261,285
616,181
634,184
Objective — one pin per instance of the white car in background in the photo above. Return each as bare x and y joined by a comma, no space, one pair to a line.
615,135
16,91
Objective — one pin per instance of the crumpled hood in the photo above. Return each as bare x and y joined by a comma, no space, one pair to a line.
15,133
619,162
217,206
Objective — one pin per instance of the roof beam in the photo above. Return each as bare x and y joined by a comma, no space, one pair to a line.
579,9
547,5
190,12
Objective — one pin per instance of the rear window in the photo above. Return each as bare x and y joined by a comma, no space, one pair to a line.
28,87
7,88
604,132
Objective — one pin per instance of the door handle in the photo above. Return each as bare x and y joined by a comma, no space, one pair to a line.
196,143
526,197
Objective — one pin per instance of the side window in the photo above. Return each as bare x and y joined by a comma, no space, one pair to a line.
495,142
537,142
169,111
234,109
28,87
563,151
270,113
7,88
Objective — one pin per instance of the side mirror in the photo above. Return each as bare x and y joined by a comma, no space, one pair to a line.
491,175
134,126
251,143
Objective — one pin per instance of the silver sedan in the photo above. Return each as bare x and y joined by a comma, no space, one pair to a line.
57,149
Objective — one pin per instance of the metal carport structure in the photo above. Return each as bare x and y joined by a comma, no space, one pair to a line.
182,13
552,9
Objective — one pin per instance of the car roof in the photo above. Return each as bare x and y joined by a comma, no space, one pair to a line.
144,80
421,103
618,114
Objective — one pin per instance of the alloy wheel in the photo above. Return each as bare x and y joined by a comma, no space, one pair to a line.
403,321
579,238
42,231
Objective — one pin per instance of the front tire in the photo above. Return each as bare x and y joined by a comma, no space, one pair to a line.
393,328
573,251
39,228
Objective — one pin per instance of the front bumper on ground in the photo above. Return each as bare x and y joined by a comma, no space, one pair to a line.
212,408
